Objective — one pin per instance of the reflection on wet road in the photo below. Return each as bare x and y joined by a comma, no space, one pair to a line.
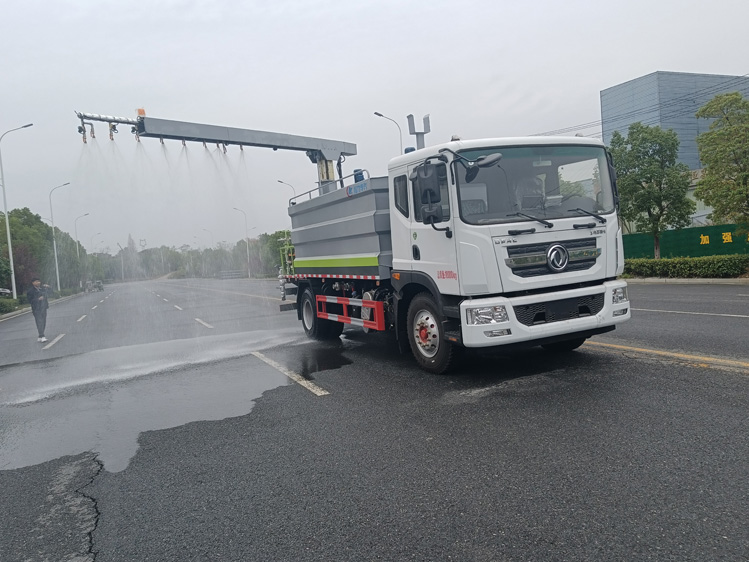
102,401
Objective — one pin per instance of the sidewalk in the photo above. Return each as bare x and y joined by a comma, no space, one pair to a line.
27,309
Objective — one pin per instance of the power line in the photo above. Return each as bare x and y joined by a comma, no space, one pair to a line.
715,88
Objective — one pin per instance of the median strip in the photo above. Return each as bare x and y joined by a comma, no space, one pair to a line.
312,387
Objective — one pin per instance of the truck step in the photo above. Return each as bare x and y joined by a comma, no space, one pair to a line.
454,336
287,306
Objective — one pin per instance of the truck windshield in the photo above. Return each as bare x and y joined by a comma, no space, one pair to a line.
545,182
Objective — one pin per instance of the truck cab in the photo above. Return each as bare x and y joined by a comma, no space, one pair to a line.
509,241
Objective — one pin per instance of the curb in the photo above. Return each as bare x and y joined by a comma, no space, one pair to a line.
10,315
684,281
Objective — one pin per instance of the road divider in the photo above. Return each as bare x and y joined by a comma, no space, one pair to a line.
309,385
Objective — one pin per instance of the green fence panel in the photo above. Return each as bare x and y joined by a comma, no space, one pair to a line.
689,242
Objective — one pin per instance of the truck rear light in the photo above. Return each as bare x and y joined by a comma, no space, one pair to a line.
486,315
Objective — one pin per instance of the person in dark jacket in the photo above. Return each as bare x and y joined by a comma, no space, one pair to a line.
37,297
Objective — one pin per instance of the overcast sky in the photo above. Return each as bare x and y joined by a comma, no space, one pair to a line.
314,68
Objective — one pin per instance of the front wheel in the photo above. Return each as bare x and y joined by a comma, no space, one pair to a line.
564,346
432,352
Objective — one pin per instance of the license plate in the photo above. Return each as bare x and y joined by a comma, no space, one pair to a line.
561,310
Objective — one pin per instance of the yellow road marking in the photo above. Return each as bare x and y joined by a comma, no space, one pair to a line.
701,360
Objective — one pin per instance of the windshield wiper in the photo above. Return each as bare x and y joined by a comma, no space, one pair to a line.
595,216
547,224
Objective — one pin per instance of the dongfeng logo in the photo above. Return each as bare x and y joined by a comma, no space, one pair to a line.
557,258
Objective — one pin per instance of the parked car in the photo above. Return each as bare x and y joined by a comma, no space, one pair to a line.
99,285
7,293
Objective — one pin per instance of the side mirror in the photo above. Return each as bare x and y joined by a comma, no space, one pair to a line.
427,183
488,160
431,214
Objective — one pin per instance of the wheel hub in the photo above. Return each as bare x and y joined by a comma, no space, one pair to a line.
426,333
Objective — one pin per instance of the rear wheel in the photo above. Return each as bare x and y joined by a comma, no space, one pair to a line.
564,346
314,327
432,352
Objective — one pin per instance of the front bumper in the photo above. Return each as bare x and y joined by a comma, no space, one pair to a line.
523,329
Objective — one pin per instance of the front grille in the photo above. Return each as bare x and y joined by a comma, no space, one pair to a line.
556,311
529,260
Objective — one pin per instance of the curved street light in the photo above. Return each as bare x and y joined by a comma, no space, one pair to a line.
7,220
400,133
291,186
92,240
211,233
75,228
54,238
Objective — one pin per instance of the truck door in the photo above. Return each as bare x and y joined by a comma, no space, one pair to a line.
433,251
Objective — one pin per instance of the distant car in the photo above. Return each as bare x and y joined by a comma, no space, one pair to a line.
7,293
99,285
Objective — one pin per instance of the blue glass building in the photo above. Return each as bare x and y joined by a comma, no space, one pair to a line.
669,100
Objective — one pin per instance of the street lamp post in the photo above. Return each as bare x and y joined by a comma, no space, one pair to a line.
400,133
78,249
7,220
75,228
246,240
54,238
122,261
211,233
92,240
291,186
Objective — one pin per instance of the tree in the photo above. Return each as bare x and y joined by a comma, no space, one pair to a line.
652,185
724,152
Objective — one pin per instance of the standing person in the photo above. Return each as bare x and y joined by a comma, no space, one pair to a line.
37,297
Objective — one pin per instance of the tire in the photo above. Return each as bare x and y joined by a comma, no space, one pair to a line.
424,330
564,346
317,328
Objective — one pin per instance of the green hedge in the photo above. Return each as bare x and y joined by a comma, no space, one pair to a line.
704,267
8,305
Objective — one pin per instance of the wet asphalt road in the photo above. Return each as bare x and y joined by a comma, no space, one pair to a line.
143,434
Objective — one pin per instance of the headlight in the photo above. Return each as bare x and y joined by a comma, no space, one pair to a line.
620,295
486,315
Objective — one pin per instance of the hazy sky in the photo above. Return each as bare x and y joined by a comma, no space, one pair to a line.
314,68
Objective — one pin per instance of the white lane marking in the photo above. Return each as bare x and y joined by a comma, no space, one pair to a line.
309,385
158,295
54,341
178,308
94,307
204,323
165,300
101,301
82,317
693,313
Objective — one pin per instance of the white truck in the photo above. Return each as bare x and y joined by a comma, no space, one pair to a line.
510,242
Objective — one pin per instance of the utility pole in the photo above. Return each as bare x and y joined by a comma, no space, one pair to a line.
122,261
